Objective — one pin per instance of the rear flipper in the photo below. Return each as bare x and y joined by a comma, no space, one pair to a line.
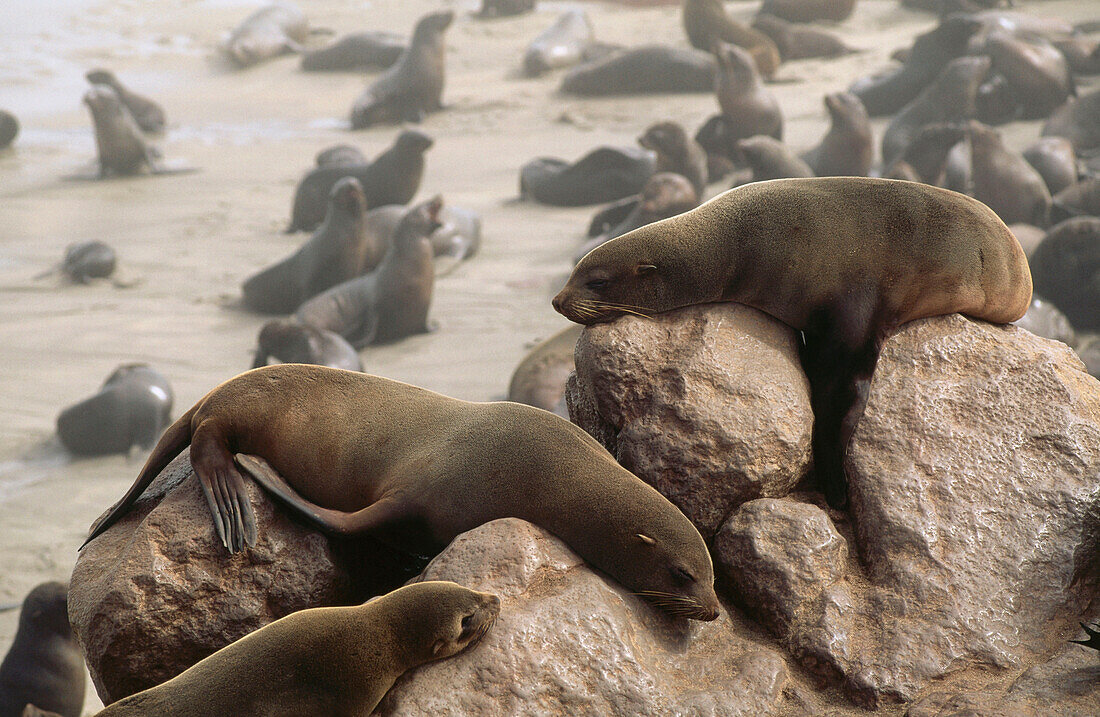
223,486
380,514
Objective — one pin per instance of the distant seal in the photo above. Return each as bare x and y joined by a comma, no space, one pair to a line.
1003,180
539,379
560,45
1078,120
666,194
293,342
339,155
677,152
771,159
707,23
887,93
131,408
85,261
742,97
1036,72
339,250
1055,160
642,70
271,31
603,175
1044,319
1082,54
392,178
1064,267
325,660
504,8
413,86
925,158
1079,198
44,666
121,149
357,51
9,129
392,301
877,253
796,42
847,148
366,455
148,114
809,10
458,235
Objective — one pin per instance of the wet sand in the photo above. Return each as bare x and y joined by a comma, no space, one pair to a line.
188,241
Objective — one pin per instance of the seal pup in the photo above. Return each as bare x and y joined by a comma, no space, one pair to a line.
148,114
413,86
603,175
1064,267
121,150
1054,159
392,301
1003,180
292,342
641,70
771,159
392,178
339,250
361,454
44,665
666,194
273,30
745,103
796,42
85,261
844,260
707,23
1078,120
357,51
809,10
324,660
677,152
130,409
1038,77
539,379
561,45
847,148
9,129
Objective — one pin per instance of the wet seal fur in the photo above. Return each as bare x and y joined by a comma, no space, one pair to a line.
326,660
359,454
131,408
44,666
873,253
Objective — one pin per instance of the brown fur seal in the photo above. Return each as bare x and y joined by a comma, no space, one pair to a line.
504,8
809,10
339,250
845,260
85,261
293,342
325,660
1064,266
44,666
640,70
1078,120
846,150
392,178
925,158
603,175
666,194
677,152
339,155
1003,180
413,86
392,301
768,158
122,151
742,97
359,454
457,237
271,31
561,45
148,114
796,42
357,51
1037,74
1079,198
539,379
1055,160
131,408
707,23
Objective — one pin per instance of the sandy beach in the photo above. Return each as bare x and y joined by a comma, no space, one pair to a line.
186,242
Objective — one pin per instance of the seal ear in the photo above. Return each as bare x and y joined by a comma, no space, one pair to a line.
646,539
643,269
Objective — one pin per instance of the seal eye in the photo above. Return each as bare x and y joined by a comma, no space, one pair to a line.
682,577
597,284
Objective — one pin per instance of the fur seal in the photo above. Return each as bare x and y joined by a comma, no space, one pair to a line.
603,175
1064,267
539,379
796,42
641,70
366,455
1055,160
809,10
768,158
1003,180
339,250
392,178
392,301
271,31
85,261
1079,198
293,342
677,152
666,194
148,114
339,155
504,8
121,149
44,666
881,253
561,45
742,97
847,148
325,660
925,158
131,408
357,51
1036,73
707,23
1078,120
9,129
413,86
457,237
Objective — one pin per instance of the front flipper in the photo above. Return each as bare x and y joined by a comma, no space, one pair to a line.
375,516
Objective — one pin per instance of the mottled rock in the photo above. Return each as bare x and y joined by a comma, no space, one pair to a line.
569,642
158,592
708,404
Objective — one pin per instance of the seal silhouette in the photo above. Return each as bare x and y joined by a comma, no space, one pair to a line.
148,114
130,409
359,454
845,260
325,660
292,342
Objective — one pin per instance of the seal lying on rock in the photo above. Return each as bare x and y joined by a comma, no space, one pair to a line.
845,260
359,454
326,660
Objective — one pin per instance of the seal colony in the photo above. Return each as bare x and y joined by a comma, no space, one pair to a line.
420,468
844,260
